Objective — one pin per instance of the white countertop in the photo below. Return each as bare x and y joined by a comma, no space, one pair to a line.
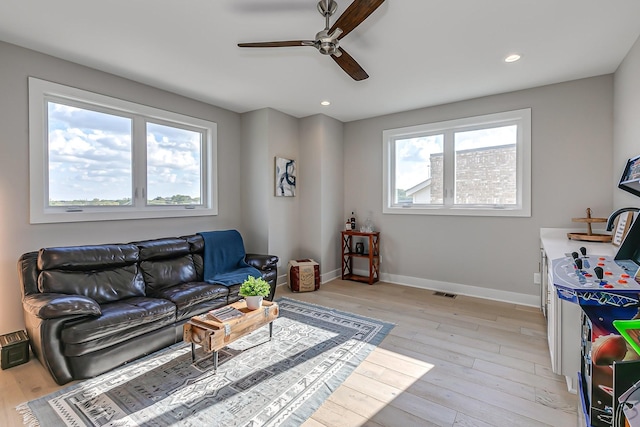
555,243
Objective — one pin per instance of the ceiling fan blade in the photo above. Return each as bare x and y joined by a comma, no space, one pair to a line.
357,12
278,44
350,66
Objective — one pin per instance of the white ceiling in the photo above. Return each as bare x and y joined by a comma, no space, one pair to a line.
418,53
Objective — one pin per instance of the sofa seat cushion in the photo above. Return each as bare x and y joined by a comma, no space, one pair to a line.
120,321
194,298
234,293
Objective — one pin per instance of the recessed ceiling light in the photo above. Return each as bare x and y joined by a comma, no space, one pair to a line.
325,103
512,58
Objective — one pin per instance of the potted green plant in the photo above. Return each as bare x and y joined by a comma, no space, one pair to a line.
254,290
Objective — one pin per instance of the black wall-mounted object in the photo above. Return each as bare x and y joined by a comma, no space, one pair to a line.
630,179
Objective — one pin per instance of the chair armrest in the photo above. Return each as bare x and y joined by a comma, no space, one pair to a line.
51,306
262,262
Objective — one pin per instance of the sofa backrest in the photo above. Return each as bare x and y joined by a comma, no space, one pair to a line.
166,262
113,271
196,247
28,273
102,272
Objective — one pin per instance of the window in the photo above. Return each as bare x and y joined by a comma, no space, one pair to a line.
472,166
93,157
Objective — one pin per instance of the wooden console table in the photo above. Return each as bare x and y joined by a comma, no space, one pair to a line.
372,255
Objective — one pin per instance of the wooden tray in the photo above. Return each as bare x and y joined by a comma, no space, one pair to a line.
589,236
593,237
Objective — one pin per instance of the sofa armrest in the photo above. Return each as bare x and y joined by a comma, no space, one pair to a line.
51,305
268,266
262,262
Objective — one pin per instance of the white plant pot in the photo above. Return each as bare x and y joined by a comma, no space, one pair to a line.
254,302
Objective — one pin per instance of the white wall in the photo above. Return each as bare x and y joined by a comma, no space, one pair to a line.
311,134
322,214
283,211
17,236
572,131
271,222
333,210
627,122
254,173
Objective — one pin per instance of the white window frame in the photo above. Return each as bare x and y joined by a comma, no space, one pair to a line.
41,92
522,118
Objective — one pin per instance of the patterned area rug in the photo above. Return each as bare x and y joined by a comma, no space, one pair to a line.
259,382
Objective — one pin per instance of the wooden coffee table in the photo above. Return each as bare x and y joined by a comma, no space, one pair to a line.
212,335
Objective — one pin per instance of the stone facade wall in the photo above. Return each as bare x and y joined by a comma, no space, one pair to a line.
483,176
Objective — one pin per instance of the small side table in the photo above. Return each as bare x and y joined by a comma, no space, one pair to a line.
14,349
372,255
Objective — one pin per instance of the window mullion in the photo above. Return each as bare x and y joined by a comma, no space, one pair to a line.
139,161
449,168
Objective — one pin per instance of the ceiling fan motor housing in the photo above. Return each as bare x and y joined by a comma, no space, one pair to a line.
327,43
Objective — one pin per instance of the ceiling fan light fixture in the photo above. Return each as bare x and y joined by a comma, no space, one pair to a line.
327,48
512,58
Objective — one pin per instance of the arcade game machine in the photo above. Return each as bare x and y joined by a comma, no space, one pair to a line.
608,291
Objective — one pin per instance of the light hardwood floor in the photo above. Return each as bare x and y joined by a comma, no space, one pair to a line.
447,362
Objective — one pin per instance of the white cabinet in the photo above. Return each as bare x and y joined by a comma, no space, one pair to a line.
563,317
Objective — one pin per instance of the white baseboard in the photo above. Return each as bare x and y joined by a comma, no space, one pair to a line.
459,289
324,278
282,280
436,285
331,275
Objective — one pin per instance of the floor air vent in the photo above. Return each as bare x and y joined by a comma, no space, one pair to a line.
444,294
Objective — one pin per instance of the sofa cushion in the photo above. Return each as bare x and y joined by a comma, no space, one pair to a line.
89,257
156,249
196,247
100,285
120,321
199,263
165,273
234,293
196,243
194,298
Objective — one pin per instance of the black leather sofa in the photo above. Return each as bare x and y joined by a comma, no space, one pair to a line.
89,309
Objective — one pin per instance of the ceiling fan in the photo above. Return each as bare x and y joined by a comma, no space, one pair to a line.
327,41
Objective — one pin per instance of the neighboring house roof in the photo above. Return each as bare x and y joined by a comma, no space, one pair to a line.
424,184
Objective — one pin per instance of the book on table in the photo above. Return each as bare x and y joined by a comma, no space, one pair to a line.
225,313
